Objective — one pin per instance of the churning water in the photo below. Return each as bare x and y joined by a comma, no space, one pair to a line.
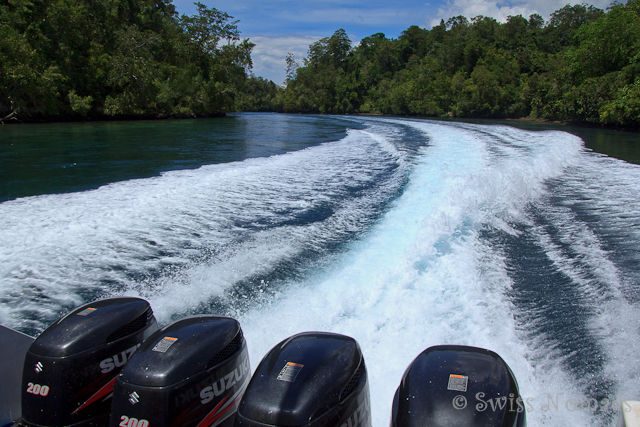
400,233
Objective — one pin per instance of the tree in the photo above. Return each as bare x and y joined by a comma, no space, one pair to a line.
607,44
565,22
292,66
92,57
330,50
208,27
457,21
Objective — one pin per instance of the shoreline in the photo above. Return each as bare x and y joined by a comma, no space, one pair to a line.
525,120
106,118
12,119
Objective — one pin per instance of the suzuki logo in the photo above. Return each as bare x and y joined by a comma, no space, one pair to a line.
134,398
38,367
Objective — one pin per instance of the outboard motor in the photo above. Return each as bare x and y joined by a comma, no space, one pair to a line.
451,385
192,372
311,379
70,369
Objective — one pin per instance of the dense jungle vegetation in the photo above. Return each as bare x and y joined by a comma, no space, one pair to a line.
119,57
583,65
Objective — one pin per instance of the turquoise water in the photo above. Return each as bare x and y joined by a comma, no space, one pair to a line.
401,233
64,157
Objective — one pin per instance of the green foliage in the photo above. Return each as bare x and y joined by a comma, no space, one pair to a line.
208,27
259,94
329,50
565,22
80,105
292,67
94,57
624,108
582,66
608,44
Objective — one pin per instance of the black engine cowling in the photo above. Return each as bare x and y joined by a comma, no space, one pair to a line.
70,369
452,385
311,379
192,372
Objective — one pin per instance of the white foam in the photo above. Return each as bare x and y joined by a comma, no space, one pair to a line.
421,276
607,189
57,249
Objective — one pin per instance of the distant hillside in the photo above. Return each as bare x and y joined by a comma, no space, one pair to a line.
583,65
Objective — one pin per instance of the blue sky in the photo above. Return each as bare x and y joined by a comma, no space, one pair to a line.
281,26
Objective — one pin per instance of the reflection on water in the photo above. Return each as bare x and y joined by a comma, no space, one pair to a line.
622,145
67,157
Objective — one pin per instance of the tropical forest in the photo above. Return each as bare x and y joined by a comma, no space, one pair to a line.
96,59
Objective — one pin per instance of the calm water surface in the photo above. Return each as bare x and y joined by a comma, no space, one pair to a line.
63,157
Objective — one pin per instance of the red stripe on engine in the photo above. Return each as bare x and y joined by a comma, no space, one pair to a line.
106,389
210,419
205,422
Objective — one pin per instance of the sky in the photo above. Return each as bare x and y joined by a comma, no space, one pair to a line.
280,26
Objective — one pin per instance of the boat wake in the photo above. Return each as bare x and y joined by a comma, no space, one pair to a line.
404,234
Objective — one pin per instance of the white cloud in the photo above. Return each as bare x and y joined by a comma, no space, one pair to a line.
270,52
501,10
381,17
